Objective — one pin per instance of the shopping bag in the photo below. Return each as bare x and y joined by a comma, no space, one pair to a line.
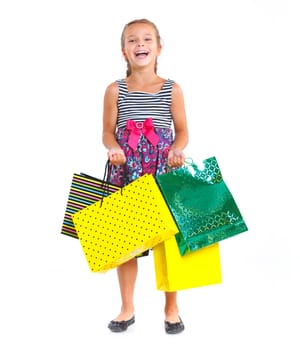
176,272
202,205
84,191
124,224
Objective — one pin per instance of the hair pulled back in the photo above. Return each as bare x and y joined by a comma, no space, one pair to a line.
158,38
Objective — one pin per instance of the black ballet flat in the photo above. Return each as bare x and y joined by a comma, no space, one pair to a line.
120,326
174,328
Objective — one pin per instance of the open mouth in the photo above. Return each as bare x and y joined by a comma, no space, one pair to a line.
141,53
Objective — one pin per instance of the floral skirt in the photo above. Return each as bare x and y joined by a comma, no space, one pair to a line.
146,159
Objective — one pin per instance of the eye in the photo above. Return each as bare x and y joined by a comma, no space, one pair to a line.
148,39
131,40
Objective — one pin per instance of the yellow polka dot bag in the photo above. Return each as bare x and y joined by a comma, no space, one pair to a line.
124,224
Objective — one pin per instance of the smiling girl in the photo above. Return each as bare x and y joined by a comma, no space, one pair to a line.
145,131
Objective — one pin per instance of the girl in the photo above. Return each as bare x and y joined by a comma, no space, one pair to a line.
139,115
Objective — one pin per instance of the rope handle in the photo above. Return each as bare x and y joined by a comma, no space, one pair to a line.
107,175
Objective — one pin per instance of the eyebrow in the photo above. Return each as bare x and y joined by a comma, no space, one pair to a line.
134,35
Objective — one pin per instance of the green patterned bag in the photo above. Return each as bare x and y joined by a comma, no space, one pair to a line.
202,205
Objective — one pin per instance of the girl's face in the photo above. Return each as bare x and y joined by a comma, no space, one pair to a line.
140,45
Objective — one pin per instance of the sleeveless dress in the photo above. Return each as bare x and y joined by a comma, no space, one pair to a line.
144,132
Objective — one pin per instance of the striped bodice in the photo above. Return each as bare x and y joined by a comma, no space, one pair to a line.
138,105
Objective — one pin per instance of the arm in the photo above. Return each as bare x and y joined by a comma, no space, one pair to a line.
176,156
110,113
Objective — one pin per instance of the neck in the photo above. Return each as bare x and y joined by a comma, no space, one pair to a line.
142,76
147,82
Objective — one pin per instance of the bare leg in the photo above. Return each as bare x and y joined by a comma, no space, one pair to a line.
127,274
171,307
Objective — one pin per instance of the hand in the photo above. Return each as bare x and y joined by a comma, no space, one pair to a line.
116,156
175,158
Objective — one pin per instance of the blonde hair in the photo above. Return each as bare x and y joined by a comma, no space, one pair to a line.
158,38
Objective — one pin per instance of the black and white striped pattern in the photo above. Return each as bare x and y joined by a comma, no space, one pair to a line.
139,106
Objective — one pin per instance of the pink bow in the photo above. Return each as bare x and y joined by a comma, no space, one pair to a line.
137,129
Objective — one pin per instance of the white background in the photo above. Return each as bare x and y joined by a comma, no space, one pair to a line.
238,65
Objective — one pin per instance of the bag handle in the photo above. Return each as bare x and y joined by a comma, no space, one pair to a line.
107,171
187,162
210,173
104,180
107,175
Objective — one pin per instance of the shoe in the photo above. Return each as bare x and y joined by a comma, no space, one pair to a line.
174,328
120,326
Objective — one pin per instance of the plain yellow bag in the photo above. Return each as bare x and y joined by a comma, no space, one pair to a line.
124,224
175,272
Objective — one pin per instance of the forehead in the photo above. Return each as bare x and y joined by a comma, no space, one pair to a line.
139,29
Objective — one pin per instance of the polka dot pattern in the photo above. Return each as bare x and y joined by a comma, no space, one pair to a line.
124,224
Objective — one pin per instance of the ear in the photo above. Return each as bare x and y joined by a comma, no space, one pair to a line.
159,48
124,54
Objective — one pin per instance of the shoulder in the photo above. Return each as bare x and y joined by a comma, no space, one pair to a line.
176,89
112,90
112,87
174,85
